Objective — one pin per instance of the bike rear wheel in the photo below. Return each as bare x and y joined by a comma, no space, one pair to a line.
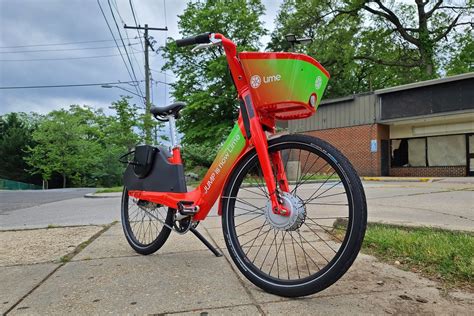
146,225
306,252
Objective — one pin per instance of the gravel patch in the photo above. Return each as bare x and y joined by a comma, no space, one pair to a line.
41,245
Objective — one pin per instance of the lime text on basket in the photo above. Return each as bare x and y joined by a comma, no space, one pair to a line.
269,79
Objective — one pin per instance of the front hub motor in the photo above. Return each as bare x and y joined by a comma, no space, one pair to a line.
287,223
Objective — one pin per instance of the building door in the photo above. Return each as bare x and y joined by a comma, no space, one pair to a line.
385,156
470,154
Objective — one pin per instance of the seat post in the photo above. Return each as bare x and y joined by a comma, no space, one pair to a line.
173,132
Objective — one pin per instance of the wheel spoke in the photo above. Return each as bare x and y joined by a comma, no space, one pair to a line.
323,229
145,221
286,258
269,248
312,199
314,232
261,245
249,220
309,199
252,230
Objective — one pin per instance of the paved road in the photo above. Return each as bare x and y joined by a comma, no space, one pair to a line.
31,209
14,200
446,204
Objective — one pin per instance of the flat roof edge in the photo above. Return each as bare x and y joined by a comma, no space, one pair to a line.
337,100
426,116
425,83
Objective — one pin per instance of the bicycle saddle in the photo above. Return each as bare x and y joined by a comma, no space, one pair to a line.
172,109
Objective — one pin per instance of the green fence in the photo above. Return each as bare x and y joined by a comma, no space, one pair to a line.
15,185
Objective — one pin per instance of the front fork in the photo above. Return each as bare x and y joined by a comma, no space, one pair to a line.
259,140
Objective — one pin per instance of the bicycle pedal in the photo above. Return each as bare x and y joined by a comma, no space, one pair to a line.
187,208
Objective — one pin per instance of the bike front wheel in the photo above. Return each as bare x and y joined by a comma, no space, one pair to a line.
309,250
146,225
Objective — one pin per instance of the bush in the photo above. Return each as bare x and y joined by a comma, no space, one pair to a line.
199,155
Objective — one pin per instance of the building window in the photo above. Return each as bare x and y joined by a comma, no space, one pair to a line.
417,152
399,152
447,150
435,151
409,152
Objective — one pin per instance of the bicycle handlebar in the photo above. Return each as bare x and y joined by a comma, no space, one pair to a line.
230,49
198,39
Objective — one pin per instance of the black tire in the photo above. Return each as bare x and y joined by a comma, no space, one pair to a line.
151,234
341,235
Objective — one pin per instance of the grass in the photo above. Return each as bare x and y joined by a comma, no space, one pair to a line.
446,256
110,190
66,258
306,178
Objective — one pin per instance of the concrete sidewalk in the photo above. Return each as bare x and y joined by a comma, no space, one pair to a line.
107,276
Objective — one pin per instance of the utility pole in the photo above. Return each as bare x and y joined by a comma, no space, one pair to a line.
147,122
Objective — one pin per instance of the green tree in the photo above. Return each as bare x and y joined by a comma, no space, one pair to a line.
204,81
425,25
462,53
83,145
120,128
334,41
367,45
66,143
337,40
119,137
15,136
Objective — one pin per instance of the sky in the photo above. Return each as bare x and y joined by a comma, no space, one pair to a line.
33,22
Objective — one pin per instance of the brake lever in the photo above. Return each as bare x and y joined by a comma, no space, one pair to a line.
201,46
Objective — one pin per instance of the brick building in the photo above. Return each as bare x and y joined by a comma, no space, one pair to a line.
420,129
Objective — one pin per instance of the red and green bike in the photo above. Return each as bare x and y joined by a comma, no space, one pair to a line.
293,208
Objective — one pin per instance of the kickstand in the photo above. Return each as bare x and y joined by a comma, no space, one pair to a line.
205,242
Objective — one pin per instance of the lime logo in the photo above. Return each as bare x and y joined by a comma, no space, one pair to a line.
318,82
269,79
255,81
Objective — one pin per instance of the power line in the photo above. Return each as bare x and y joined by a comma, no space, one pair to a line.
139,36
123,44
57,44
136,23
66,58
69,85
164,73
116,44
60,50
159,81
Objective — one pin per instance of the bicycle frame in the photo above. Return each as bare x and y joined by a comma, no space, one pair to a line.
248,133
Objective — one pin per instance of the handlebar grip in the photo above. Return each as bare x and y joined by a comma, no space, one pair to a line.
198,39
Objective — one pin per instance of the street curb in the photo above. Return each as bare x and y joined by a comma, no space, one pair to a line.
100,196
400,179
